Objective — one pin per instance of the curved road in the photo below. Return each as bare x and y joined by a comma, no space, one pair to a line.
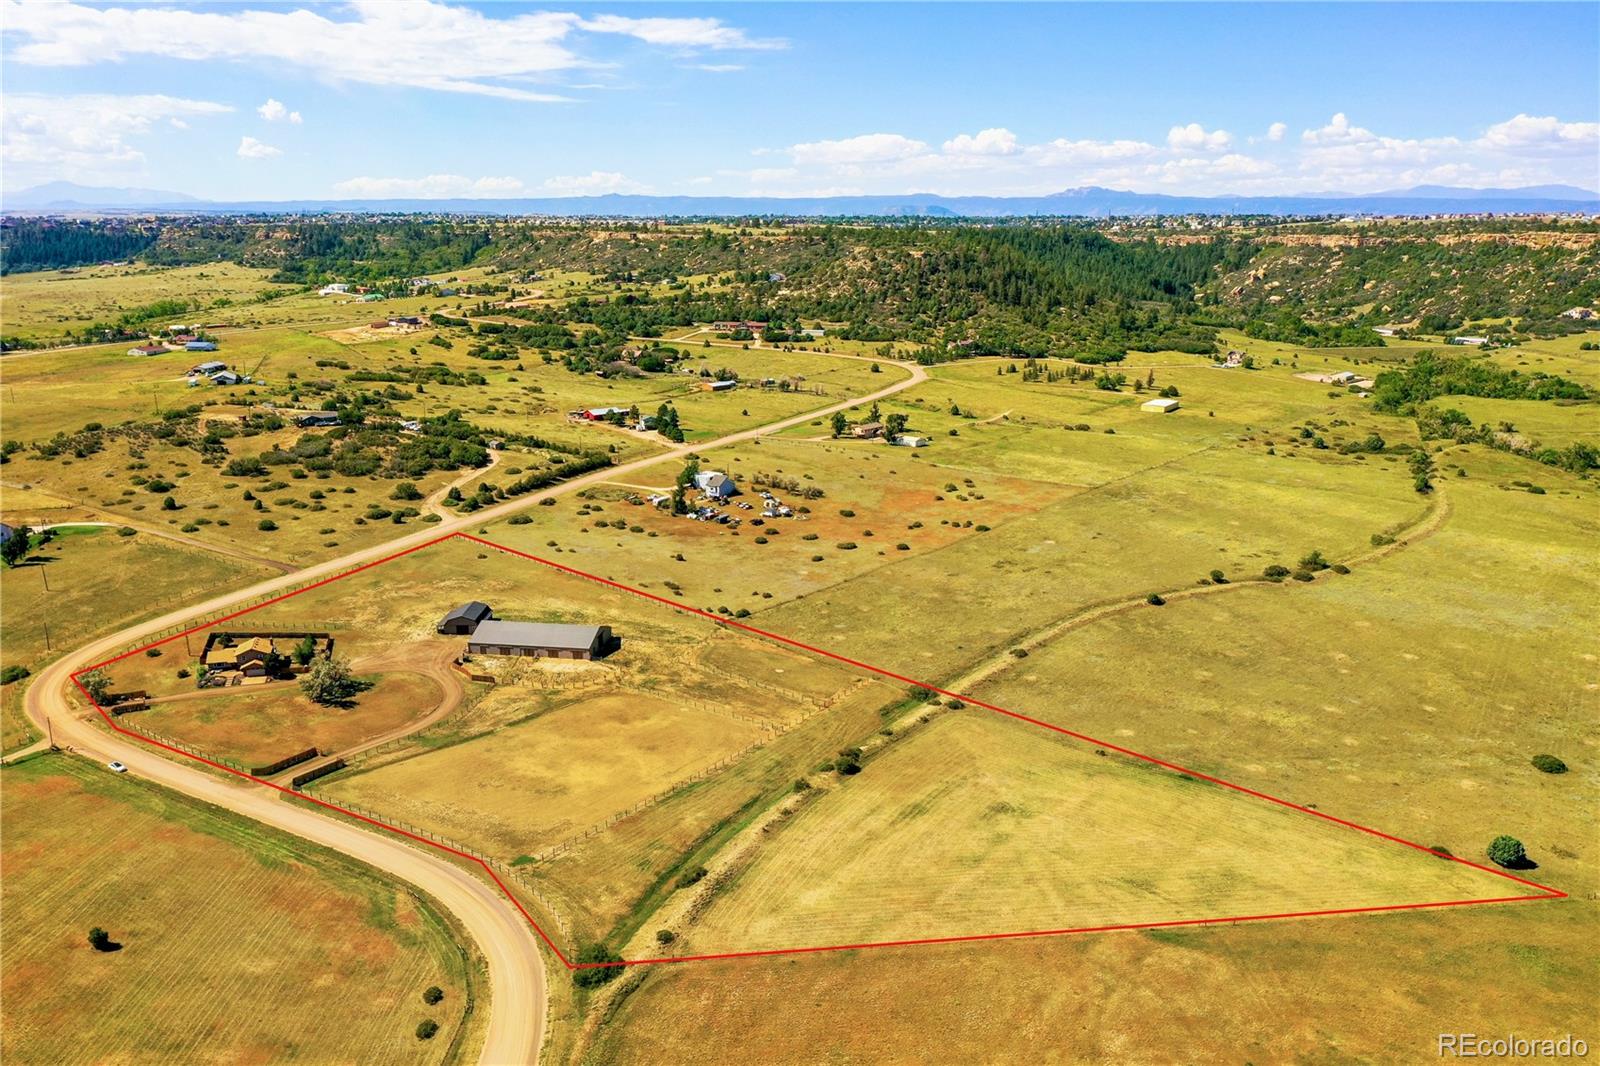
511,946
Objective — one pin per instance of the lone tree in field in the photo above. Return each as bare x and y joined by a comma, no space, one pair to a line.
329,681
15,549
426,1029
101,940
97,683
1508,851
432,995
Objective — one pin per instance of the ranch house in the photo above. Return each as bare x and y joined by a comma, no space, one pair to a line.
716,484
542,640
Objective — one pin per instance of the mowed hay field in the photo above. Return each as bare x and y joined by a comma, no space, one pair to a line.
238,945
256,726
982,824
531,785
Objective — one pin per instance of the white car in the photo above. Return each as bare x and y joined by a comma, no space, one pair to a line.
116,767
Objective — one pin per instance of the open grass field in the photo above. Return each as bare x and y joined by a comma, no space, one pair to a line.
45,305
97,582
256,726
1408,695
238,945
980,824
538,782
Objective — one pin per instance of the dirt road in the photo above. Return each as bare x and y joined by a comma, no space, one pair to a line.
516,968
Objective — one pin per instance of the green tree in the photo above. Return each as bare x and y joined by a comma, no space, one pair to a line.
329,681
1422,470
840,423
100,940
590,975
15,549
304,650
433,994
893,426
1507,851
426,1029
97,683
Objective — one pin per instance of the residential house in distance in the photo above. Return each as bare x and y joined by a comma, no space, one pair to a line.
338,288
716,484
1385,331
226,377
463,620
541,640
318,418
1234,358
148,349
867,430
1579,314
1470,341
1160,405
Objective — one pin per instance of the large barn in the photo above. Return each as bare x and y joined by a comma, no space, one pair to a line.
543,640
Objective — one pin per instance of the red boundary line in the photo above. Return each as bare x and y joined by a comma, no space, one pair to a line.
1545,892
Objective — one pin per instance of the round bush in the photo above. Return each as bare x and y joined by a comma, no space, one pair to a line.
426,1029
1507,851
1549,764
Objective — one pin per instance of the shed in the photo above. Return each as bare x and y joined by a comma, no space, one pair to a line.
209,367
1160,405
542,640
200,346
225,377
911,442
465,619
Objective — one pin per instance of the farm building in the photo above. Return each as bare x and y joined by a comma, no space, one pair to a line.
595,414
148,349
225,377
1343,377
337,288
211,367
1161,405
200,346
463,620
908,441
716,484
542,640
253,658
718,386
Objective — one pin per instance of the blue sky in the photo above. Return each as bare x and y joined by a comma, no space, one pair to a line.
399,98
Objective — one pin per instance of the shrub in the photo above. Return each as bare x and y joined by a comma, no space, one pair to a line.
1019,653
266,525
595,976
1339,568
1304,575
100,940
802,785
1154,599
405,491
1314,562
1275,572
691,877
846,545
1507,851
426,1029
1218,578
17,673
519,520
1548,763
665,936
432,995
126,531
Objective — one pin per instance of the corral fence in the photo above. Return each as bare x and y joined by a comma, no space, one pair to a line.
283,764
315,772
178,745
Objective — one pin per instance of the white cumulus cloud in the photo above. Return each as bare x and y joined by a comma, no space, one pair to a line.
867,148
421,44
1195,137
86,135
1276,131
250,148
986,142
594,183
1530,133
273,111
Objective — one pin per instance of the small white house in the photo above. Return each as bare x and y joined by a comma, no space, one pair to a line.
1473,341
1161,405
716,484
336,289
908,441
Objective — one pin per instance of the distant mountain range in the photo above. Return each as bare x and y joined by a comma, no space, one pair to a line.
1090,202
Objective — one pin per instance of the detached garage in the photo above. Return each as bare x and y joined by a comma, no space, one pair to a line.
541,640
